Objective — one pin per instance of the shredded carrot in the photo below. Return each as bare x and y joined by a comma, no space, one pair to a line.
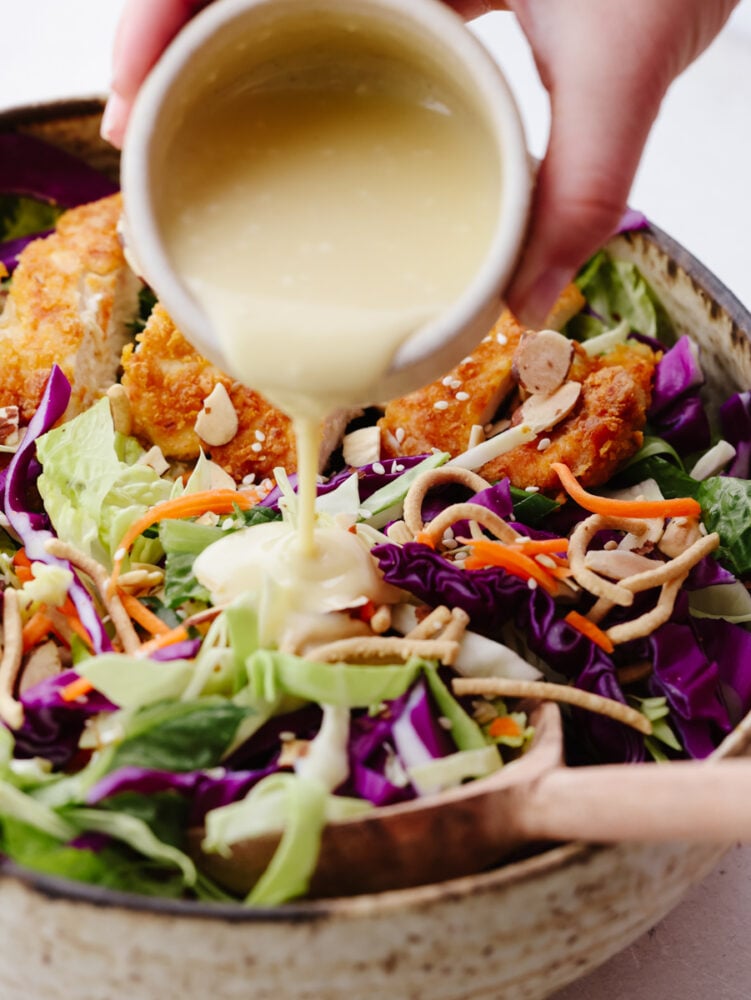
590,630
76,689
73,619
22,566
540,546
142,615
504,725
168,638
190,505
608,507
489,553
364,611
425,538
36,628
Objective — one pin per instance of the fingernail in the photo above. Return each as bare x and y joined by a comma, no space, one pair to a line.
114,119
534,306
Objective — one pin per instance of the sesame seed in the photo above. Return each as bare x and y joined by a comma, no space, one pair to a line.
462,396
455,383
249,479
544,443
461,555
502,339
260,436
285,736
610,545
531,489
532,583
399,467
444,723
256,446
449,543
486,340
448,533
703,529
379,469
465,361
442,404
447,381
400,434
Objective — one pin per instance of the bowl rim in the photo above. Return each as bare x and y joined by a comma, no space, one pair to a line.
58,889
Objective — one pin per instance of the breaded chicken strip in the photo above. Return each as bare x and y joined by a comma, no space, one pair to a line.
442,414
71,298
603,431
167,382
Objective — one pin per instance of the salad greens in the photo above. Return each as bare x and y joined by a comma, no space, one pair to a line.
216,720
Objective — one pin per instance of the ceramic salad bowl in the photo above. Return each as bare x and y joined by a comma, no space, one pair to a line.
522,930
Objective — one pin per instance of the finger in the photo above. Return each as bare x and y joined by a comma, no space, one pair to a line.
601,117
607,76
146,28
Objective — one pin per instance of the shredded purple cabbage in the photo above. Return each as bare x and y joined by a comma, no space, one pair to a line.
185,650
52,726
206,791
31,526
685,653
735,421
418,738
31,167
676,412
689,680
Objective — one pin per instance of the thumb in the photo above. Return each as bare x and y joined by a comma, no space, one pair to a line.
602,110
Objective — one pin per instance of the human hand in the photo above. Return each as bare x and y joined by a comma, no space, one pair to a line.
607,67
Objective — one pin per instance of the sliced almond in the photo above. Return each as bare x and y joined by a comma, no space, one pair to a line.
217,423
363,446
542,412
679,534
616,564
155,460
542,361
9,418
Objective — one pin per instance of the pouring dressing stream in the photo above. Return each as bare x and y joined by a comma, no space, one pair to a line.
318,228
329,199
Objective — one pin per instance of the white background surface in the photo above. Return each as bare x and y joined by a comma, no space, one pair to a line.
694,182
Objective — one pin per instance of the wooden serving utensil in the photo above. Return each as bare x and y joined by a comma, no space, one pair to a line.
535,799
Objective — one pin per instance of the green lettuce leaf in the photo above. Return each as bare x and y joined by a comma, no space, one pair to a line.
726,507
179,736
616,291
23,216
136,834
91,488
272,674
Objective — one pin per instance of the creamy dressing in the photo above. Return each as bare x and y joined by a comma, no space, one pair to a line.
263,564
318,227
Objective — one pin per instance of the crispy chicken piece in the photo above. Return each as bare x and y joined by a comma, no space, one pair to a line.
602,432
167,382
604,429
442,414
70,300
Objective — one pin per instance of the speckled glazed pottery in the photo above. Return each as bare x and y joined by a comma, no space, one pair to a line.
521,931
